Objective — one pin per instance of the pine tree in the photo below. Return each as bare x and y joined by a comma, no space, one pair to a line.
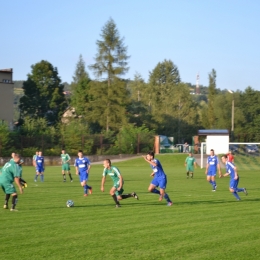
109,100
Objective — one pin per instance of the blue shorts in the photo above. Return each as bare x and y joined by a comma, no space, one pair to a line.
160,182
39,169
211,172
233,184
83,176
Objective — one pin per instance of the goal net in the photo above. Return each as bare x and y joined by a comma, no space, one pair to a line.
246,155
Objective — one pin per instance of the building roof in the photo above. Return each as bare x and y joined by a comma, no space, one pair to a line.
213,132
6,70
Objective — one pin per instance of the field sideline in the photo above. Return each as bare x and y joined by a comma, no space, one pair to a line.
201,224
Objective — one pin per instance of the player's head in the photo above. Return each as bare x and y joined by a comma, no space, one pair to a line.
190,154
16,158
224,158
12,155
36,152
63,151
80,153
40,153
107,163
212,152
150,155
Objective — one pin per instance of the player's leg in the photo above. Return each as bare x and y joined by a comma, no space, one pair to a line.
241,189
83,184
188,173
162,185
7,197
126,196
68,172
191,173
233,188
214,184
23,183
63,173
37,174
153,185
113,194
42,175
14,201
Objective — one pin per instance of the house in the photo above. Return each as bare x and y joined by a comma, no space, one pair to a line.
6,96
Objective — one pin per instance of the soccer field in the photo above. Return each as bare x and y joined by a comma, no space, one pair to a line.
201,224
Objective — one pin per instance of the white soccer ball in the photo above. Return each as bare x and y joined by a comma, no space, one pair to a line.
70,203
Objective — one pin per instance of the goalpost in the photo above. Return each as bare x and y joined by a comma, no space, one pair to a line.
251,151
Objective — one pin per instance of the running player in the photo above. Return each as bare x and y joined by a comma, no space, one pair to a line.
231,171
10,173
211,169
65,158
117,190
159,178
82,165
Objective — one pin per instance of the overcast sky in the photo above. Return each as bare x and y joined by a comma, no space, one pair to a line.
197,35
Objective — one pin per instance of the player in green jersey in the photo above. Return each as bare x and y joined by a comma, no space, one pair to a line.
190,162
10,173
22,181
65,158
117,190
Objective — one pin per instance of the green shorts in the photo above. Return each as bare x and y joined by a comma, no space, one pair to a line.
118,192
8,187
65,167
190,169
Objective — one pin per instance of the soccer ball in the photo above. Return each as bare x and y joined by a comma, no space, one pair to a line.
70,203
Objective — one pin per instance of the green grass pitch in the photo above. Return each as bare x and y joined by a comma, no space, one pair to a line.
201,224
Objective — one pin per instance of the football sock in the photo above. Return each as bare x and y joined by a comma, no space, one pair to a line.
7,197
42,178
236,195
239,189
187,174
36,177
115,199
88,187
214,183
14,201
166,197
156,191
70,176
85,187
127,196
64,177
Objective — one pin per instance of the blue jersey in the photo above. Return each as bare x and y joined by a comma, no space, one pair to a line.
158,169
39,161
230,169
82,164
213,163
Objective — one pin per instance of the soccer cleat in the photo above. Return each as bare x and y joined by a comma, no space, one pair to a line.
5,206
35,180
71,180
13,209
169,203
85,195
90,190
118,205
64,180
25,185
135,195
245,191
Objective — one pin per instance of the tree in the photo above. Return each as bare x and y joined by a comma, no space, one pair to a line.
43,94
111,61
80,88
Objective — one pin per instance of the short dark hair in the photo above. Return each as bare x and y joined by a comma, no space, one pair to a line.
212,150
80,151
109,161
151,153
225,156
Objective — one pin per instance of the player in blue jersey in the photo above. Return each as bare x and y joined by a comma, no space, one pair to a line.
211,169
231,171
39,162
82,165
159,178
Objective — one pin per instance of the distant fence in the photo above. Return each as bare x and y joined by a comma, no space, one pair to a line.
90,144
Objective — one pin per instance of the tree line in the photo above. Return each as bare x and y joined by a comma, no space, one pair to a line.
109,104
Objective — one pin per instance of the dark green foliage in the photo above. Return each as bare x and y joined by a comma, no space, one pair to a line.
43,94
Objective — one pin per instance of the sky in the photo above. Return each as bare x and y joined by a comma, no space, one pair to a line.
196,35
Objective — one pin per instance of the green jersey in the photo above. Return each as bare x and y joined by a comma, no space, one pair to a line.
9,172
64,158
190,162
114,173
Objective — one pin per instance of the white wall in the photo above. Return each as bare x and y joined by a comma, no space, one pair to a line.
219,143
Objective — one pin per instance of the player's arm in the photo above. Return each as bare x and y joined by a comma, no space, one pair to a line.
150,162
17,181
89,166
219,169
103,183
120,182
207,166
68,158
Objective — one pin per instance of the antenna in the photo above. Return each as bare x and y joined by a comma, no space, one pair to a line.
198,84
